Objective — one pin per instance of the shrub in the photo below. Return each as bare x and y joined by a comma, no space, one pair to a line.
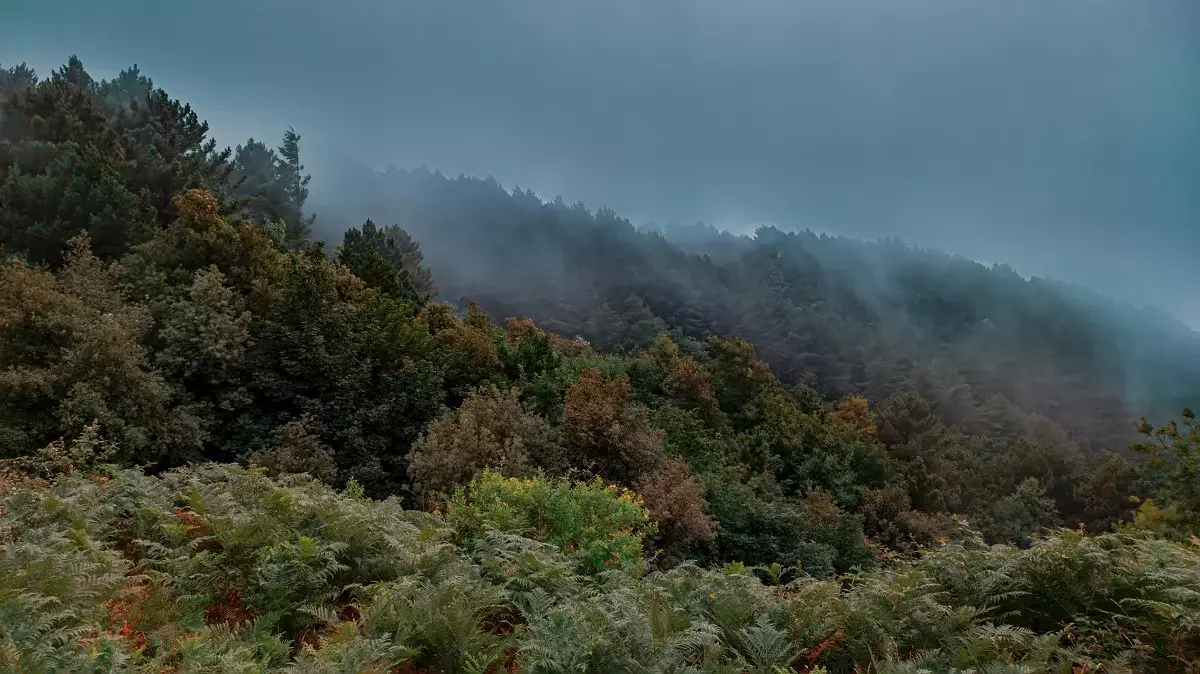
675,499
601,526
490,430
296,449
85,453
888,519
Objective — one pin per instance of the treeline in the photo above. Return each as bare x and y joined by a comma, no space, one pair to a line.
211,328
983,345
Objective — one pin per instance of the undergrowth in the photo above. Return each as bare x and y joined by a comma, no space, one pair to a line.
221,568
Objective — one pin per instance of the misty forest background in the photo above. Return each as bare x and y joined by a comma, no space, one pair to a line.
659,401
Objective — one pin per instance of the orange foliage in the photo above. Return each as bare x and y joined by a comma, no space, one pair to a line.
854,411
690,385
675,499
571,347
198,204
123,615
517,329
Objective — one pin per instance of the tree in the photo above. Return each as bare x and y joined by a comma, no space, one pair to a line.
1173,450
256,181
1016,517
15,78
107,158
890,520
74,356
297,449
80,190
75,74
605,433
389,259
328,345
294,186
742,380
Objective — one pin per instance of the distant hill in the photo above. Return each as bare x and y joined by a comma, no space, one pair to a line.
847,315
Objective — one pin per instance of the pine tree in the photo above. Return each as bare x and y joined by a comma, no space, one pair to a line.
16,77
76,74
389,259
257,184
294,184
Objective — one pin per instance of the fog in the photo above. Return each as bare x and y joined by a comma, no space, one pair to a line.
1061,138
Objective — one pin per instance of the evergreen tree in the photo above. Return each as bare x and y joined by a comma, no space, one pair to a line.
256,182
15,78
294,186
389,259
74,73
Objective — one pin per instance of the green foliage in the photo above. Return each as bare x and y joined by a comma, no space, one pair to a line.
294,184
220,568
387,259
80,190
296,450
86,453
73,356
758,526
601,526
106,158
1174,454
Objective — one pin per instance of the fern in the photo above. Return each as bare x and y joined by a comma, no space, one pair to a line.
219,568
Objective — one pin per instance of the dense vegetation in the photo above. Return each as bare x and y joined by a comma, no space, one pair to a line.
982,344
907,495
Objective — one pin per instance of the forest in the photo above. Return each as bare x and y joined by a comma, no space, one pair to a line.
429,424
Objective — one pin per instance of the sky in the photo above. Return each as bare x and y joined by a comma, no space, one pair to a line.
1061,137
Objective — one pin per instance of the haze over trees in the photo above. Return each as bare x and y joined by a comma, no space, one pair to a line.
228,447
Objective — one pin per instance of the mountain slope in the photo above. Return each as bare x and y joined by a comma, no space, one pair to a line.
847,315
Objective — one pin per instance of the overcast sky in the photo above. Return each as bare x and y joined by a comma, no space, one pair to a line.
1059,136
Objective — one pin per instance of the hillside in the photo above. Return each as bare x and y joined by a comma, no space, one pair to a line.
227,447
847,316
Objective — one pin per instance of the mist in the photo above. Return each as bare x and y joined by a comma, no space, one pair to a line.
1057,137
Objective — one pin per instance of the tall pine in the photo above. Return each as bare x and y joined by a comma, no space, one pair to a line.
295,189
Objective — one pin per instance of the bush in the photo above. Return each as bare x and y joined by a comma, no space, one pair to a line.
889,520
601,526
490,430
296,449
675,499
759,527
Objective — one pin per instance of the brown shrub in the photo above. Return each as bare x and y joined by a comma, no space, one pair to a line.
437,316
855,412
517,329
571,347
469,349
490,430
675,500
690,386
888,519
297,449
